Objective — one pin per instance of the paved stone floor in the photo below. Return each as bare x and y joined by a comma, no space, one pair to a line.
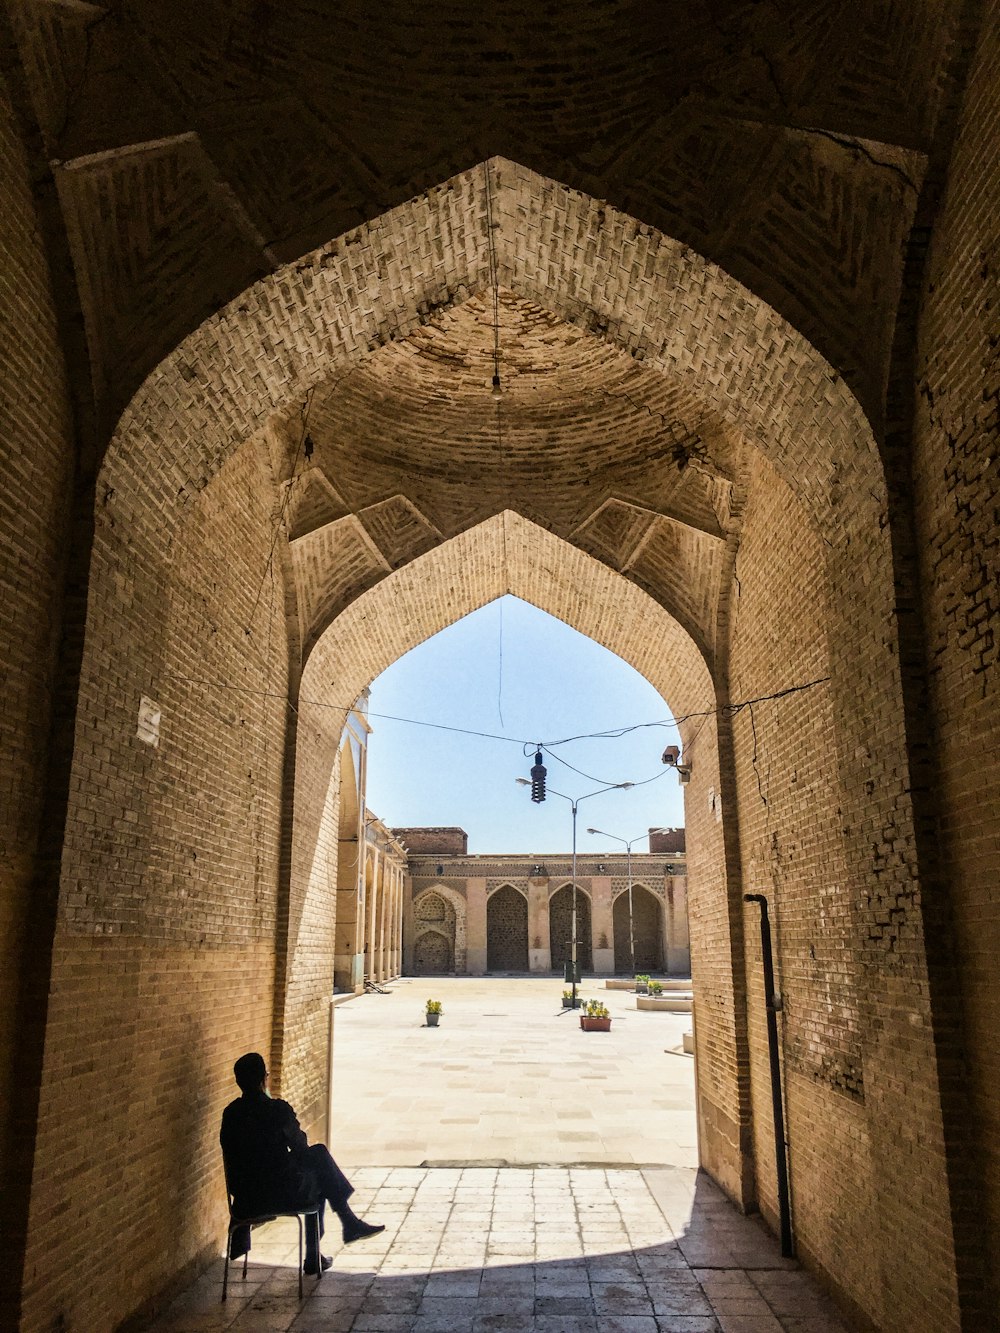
533,1178
530,1250
508,1076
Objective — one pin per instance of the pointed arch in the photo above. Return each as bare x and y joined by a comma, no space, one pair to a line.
638,929
561,927
507,929
454,926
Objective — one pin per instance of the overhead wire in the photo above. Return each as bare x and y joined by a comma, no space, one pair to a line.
547,746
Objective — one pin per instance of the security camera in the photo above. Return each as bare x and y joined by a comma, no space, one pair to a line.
671,755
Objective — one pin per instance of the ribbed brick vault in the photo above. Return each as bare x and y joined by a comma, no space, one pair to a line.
788,145
637,378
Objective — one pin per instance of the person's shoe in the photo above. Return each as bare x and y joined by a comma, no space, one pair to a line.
358,1230
311,1269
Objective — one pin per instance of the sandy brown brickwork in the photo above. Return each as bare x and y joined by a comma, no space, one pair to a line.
796,413
688,251
714,881
792,850
160,1021
790,152
164,958
36,463
956,472
307,944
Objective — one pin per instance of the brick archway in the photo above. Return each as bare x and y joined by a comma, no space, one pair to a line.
292,332
689,482
560,928
507,930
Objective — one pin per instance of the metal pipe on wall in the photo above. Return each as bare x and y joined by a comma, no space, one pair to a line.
772,1004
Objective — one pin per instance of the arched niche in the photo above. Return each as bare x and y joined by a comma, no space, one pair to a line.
454,923
638,925
561,928
433,953
507,930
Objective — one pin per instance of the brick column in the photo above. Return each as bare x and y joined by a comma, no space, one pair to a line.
383,910
407,926
676,941
475,928
539,947
602,926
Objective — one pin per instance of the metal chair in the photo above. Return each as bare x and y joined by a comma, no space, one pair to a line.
235,1221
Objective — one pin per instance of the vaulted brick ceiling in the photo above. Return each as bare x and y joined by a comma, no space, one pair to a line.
577,417
202,144
410,448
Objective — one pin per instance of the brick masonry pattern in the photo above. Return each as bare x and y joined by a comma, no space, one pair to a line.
740,284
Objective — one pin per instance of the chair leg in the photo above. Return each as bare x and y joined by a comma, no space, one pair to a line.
225,1271
319,1272
299,1220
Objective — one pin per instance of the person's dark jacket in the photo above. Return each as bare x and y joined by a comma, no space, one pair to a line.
264,1151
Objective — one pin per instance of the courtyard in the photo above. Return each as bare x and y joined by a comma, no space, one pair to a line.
508,1077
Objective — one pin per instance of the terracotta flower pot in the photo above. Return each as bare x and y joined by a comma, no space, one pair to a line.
595,1024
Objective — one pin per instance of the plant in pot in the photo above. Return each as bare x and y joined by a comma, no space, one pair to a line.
595,1017
641,983
434,1012
567,1000
655,988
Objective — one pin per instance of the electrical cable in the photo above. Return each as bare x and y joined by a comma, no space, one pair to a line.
731,708
644,782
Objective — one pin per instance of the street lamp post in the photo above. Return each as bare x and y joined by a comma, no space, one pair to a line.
574,803
628,853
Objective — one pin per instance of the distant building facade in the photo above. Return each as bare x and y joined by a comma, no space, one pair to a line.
477,915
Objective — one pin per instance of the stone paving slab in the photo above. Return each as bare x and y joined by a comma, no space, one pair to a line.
526,1250
508,1076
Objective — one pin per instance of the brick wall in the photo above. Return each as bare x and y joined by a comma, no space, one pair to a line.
450,841
792,851
666,840
716,967
956,480
835,775
36,464
164,956
304,995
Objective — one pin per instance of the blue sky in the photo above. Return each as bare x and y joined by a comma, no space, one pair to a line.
551,683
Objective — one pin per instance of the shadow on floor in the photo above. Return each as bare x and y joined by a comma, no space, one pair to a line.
461,1255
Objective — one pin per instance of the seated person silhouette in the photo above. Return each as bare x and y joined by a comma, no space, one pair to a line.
272,1167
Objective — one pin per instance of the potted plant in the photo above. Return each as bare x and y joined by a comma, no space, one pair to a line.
567,1000
595,1017
641,983
655,988
434,1012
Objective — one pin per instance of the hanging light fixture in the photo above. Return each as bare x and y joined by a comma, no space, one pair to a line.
538,779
